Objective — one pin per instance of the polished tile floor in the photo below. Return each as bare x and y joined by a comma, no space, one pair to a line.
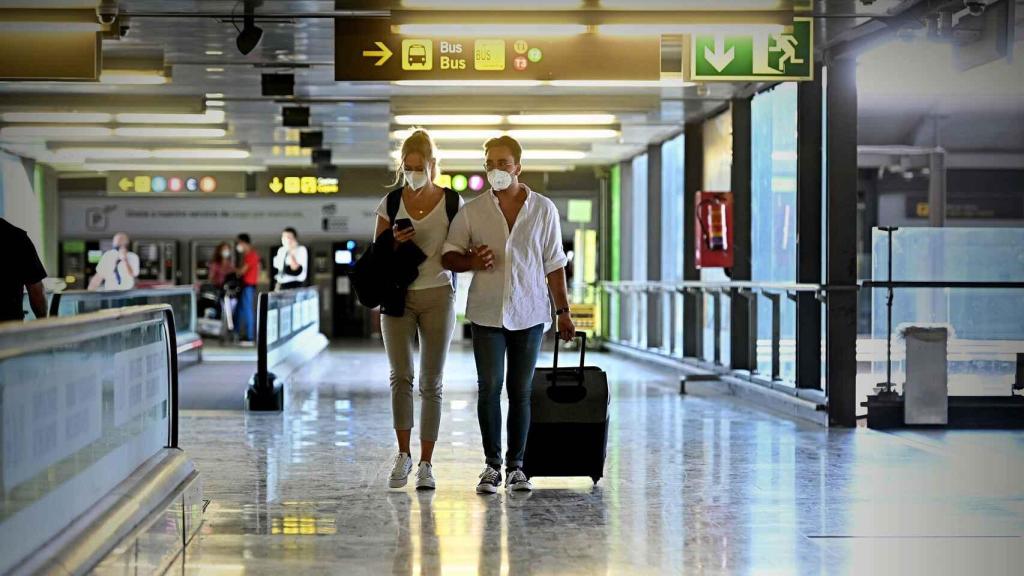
696,484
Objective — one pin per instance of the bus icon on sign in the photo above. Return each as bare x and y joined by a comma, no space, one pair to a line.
417,54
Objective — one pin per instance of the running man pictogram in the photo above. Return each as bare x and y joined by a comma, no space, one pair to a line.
785,43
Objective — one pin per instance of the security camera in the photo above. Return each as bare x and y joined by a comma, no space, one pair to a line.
975,7
106,12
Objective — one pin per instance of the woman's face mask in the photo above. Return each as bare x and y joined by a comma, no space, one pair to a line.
416,179
225,253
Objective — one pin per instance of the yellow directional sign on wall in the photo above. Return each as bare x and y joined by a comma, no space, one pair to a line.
368,49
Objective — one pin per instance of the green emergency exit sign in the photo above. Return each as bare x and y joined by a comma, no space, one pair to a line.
758,56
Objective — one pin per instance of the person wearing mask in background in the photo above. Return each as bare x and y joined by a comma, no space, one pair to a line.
220,265
249,273
118,267
291,261
418,213
23,271
511,238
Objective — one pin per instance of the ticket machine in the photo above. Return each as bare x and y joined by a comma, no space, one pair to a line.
349,317
158,261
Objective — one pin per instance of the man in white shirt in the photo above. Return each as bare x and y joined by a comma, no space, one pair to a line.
291,261
118,267
510,237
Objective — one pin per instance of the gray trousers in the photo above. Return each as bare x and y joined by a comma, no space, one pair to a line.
431,314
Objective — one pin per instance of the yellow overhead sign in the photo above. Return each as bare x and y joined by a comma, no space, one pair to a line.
303,185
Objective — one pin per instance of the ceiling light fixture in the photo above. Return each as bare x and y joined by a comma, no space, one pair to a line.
82,153
58,117
200,153
487,30
519,134
478,154
127,77
208,117
450,119
168,132
250,35
562,119
737,29
60,132
215,103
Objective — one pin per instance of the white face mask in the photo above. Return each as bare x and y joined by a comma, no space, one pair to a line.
416,179
240,248
225,253
499,179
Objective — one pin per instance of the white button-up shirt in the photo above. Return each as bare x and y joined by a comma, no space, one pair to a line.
514,293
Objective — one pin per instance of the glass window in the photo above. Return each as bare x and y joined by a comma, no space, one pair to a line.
672,241
773,216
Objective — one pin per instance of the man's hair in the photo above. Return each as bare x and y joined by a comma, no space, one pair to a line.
506,142
244,238
292,231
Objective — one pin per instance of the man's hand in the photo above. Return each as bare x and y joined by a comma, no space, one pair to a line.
482,258
566,327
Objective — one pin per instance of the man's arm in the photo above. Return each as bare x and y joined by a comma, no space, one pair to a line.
37,299
101,272
131,262
560,295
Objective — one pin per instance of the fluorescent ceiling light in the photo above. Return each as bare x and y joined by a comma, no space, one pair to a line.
200,153
58,117
452,119
215,103
469,83
50,26
566,134
688,28
208,117
214,95
519,134
214,53
175,167
475,154
488,30
160,132
214,69
562,119
61,132
81,153
663,83
132,77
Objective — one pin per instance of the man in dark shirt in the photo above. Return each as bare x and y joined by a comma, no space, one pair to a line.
24,271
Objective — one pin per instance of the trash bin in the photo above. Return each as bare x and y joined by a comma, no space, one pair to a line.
926,390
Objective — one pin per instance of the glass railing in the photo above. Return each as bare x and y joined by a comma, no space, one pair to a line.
969,281
86,401
288,321
181,299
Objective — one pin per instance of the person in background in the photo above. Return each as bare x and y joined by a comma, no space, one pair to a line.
291,261
249,274
220,265
22,272
118,267
511,238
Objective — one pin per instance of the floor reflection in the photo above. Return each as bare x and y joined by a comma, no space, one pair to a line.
695,483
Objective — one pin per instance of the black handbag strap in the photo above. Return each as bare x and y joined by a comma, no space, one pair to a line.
394,203
583,354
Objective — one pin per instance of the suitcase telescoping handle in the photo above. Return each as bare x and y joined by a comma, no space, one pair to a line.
583,353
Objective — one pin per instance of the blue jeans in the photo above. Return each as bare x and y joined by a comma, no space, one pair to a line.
489,350
245,313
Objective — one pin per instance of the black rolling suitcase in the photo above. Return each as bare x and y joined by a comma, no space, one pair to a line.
569,420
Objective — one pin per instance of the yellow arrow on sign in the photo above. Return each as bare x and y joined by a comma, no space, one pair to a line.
125,184
276,185
383,54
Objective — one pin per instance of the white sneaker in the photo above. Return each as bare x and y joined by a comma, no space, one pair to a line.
425,477
400,471
490,479
517,481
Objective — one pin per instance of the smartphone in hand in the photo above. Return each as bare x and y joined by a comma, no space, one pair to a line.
403,223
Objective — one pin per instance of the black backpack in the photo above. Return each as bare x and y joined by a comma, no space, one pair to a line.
366,278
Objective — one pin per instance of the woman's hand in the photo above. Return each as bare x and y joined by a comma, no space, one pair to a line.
403,235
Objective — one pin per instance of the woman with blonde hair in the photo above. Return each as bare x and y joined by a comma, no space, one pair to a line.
412,225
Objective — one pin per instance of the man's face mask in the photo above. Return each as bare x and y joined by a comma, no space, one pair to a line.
499,179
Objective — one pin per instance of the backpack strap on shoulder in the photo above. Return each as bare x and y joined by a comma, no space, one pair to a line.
451,204
394,202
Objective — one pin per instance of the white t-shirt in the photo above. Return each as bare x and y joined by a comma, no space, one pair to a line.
301,255
114,270
513,294
431,232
